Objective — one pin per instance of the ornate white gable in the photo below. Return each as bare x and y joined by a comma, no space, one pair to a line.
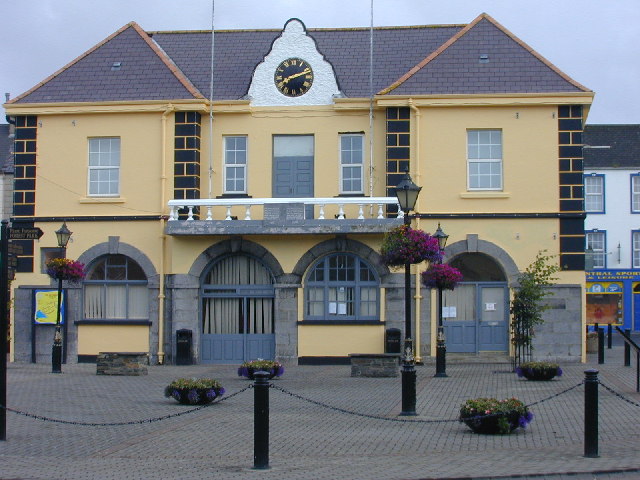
293,43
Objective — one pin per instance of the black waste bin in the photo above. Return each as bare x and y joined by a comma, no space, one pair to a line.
183,347
392,340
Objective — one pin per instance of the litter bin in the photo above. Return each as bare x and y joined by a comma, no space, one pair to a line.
183,347
392,340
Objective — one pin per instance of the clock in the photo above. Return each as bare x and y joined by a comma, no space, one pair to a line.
293,77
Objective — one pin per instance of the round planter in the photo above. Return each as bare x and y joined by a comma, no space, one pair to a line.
490,425
249,372
539,374
194,396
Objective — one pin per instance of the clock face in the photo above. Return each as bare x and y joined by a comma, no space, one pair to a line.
293,77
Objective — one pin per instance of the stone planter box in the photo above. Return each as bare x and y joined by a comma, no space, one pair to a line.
122,363
374,364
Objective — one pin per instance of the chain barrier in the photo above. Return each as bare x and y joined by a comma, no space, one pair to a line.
619,395
120,424
555,395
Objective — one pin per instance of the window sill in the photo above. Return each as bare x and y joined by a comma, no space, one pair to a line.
341,322
112,322
486,194
103,200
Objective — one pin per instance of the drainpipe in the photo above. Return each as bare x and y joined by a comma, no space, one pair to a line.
414,160
163,238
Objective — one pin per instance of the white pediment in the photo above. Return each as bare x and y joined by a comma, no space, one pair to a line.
293,43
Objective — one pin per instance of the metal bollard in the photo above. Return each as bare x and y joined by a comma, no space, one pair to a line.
609,335
627,349
261,421
591,413
600,345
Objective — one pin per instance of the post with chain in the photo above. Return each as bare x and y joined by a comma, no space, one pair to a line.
591,413
609,335
600,345
261,421
627,349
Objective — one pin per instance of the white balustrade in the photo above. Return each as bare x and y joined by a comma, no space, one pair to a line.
322,203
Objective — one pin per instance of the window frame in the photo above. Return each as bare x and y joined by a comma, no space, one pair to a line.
227,165
632,180
499,161
326,285
105,283
635,251
601,177
602,253
96,168
344,165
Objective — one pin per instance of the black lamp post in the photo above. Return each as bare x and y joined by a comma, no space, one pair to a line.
63,234
441,347
407,193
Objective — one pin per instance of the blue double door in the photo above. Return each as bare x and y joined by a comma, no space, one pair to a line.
476,318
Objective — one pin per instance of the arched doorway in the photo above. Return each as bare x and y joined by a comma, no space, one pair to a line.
238,321
476,313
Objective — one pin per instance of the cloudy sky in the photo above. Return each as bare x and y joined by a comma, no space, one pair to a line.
596,42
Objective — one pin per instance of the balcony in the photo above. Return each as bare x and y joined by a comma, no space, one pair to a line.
278,216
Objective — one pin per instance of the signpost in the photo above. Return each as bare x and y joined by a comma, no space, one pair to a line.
25,233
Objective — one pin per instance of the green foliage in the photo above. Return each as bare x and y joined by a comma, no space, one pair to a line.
194,383
527,306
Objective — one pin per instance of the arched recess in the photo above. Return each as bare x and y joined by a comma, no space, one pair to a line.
236,245
340,244
476,312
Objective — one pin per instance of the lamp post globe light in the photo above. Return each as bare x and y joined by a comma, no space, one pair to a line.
407,194
63,234
441,347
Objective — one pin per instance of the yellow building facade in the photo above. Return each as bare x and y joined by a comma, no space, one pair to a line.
248,224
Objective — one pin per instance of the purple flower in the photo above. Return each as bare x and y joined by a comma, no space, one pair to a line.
243,372
519,372
559,372
280,371
221,391
176,394
193,396
211,394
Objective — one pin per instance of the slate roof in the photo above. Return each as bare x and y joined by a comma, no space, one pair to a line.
417,60
624,143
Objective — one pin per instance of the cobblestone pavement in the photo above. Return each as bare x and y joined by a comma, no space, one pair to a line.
311,441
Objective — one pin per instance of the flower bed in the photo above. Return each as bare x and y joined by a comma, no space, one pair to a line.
539,370
247,369
194,391
492,416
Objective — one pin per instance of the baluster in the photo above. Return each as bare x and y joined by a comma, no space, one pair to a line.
380,213
209,217
341,212
228,217
321,215
190,216
360,212
173,213
247,214
400,213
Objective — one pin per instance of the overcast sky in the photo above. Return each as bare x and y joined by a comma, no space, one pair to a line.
596,42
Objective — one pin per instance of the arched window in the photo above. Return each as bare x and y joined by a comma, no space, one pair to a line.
342,287
115,288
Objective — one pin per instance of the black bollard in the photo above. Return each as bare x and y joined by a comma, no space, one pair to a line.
261,421
627,349
600,346
609,335
591,414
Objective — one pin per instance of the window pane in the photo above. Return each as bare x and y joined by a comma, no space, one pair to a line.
293,146
484,149
138,302
635,182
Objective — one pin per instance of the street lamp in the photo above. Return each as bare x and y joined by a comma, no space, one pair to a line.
407,193
63,234
441,347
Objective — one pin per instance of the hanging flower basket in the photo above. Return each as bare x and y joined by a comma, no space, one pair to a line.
539,371
65,269
403,244
495,417
194,391
247,369
441,275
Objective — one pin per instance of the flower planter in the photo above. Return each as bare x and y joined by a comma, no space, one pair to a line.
248,369
498,424
539,371
195,391
495,417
